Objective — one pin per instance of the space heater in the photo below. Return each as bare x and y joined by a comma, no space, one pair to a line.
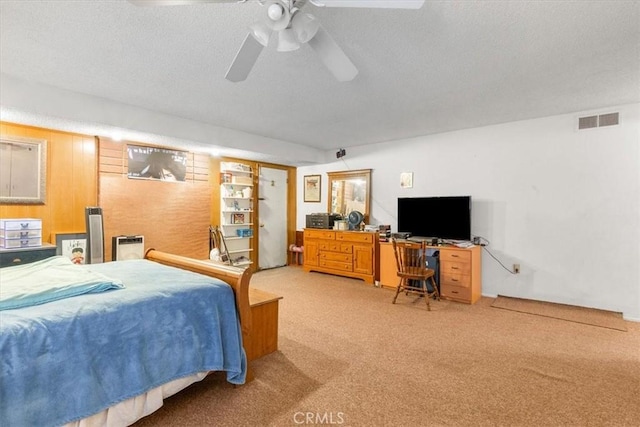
95,235
127,247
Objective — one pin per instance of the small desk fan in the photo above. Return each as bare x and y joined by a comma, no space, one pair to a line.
354,219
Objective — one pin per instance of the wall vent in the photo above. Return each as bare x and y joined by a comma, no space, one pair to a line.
588,122
609,119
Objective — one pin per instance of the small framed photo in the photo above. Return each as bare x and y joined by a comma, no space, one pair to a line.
225,178
72,246
312,184
237,218
406,180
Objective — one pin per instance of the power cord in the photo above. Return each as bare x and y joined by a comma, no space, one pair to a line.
484,243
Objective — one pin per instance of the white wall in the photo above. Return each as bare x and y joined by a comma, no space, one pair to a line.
564,204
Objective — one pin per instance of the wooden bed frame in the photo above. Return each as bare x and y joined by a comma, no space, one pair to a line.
237,278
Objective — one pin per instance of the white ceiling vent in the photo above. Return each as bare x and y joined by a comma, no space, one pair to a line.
609,119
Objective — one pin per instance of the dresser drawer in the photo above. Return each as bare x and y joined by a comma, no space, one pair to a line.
454,267
456,292
357,237
454,279
455,255
336,265
336,256
329,246
320,234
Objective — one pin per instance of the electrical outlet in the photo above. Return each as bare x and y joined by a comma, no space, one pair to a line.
516,268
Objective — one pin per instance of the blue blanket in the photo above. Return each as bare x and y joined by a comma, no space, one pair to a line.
49,280
68,359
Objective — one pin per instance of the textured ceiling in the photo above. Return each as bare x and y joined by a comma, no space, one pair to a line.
448,66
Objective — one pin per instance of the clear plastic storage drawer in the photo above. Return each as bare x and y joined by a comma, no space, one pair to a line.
21,224
20,243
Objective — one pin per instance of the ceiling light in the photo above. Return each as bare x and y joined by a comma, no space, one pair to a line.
275,11
278,16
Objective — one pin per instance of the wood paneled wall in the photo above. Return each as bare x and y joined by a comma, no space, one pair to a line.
72,180
83,171
173,217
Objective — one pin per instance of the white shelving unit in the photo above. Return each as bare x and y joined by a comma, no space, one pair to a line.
236,210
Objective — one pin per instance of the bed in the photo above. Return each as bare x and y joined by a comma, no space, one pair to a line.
110,357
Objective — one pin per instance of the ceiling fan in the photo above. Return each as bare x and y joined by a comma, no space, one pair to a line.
294,28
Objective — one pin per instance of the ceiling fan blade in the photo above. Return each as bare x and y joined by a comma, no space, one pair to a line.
244,60
382,4
176,2
333,56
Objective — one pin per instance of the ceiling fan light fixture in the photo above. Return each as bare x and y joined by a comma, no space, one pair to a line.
277,16
287,41
260,32
305,26
275,11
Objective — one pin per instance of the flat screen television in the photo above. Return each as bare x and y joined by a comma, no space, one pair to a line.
435,217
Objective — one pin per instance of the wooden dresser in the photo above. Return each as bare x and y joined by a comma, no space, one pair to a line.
460,271
344,253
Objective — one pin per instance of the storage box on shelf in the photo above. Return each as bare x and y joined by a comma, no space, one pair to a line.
20,233
236,210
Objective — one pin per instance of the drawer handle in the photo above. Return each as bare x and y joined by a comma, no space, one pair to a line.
454,292
454,256
454,280
17,260
454,268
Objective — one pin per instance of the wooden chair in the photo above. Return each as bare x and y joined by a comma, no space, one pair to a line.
413,271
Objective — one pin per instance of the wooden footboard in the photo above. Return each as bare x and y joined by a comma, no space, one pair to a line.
236,277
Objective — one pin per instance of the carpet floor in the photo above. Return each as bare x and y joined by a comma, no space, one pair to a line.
347,356
570,313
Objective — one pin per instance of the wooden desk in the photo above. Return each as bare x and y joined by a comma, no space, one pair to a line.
460,271
264,321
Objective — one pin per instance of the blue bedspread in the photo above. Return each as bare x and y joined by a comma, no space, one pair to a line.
71,358
49,280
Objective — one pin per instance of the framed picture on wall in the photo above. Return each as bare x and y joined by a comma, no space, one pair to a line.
406,180
312,184
72,246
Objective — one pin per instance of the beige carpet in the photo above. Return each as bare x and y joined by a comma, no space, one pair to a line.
348,357
571,313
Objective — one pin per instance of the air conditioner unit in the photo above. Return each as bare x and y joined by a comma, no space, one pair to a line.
127,247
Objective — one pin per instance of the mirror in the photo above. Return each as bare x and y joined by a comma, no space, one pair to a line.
350,191
23,170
